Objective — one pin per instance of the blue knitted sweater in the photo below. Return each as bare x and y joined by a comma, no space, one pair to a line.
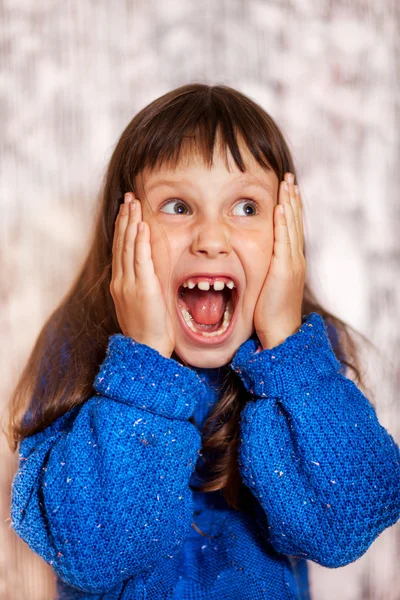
103,496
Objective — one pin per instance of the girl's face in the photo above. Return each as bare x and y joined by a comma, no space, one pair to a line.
209,223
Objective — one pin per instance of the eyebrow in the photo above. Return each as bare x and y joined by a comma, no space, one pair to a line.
167,182
175,182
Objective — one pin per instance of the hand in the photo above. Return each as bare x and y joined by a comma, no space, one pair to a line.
278,311
135,288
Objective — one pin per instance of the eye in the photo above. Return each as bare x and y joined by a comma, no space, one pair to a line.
249,203
177,207
174,211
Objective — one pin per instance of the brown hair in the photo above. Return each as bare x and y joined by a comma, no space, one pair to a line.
65,359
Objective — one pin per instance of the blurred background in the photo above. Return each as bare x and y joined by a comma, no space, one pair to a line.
74,73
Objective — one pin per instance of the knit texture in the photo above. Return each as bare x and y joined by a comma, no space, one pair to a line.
103,496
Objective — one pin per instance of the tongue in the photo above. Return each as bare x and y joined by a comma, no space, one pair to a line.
206,308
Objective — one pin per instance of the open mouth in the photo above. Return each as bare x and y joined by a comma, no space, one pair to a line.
207,312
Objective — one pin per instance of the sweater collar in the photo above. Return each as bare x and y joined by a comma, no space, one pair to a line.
212,377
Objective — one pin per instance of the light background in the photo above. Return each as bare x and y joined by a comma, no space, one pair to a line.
73,73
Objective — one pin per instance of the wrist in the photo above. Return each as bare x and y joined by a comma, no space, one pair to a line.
277,336
305,356
165,351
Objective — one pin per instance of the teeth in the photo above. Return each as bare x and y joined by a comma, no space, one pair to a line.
205,286
227,319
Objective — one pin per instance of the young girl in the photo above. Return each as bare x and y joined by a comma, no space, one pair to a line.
186,427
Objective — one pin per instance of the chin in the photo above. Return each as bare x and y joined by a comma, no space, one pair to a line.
209,356
210,360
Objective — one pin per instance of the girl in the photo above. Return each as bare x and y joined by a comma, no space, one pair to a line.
190,431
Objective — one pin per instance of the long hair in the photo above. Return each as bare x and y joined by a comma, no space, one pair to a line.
65,359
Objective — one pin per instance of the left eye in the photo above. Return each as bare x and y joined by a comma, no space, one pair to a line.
178,211
251,204
177,203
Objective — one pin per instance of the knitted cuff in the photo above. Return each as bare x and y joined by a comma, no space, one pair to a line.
301,359
139,375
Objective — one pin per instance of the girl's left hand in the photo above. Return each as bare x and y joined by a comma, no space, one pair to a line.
278,310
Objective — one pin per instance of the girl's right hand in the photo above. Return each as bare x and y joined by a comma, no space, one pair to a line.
135,287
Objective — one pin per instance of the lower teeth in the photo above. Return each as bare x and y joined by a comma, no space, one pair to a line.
227,319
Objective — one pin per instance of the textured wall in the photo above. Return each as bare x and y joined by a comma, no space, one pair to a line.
73,73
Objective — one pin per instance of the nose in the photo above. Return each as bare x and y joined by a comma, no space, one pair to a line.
211,239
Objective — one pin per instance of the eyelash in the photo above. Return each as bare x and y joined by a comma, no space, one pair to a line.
246,201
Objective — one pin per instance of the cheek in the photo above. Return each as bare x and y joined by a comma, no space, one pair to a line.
259,249
165,253
257,257
160,251
265,246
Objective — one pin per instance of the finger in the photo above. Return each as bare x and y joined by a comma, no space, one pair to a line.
282,243
289,218
301,224
289,178
297,206
144,267
118,242
130,238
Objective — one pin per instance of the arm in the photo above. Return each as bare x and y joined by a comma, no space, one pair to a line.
102,494
313,453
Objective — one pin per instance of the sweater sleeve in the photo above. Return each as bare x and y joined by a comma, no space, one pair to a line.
325,473
102,494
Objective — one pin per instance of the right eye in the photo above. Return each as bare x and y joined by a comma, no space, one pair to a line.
178,203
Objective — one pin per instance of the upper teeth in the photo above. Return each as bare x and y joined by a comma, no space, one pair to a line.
205,285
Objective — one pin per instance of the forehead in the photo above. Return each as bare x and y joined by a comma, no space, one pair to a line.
193,161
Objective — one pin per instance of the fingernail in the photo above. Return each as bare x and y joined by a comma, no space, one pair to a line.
127,197
290,178
132,205
286,186
282,209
